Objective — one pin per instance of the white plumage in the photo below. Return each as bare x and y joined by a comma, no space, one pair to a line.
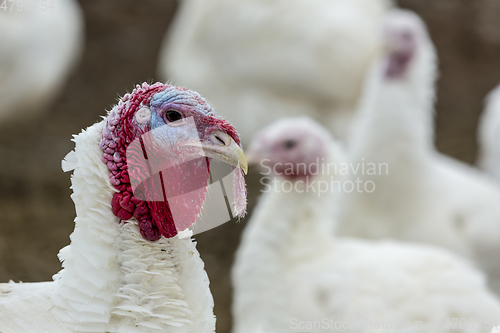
291,271
489,135
420,194
113,278
41,42
258,61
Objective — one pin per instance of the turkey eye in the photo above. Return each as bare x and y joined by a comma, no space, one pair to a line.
289,144
173,115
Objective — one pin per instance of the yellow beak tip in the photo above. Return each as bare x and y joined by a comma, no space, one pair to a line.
244,168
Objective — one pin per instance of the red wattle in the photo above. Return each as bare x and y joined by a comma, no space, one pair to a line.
166,202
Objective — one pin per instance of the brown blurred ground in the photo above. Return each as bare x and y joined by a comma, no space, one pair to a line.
123,39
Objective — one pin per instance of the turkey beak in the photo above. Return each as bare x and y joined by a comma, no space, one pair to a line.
222,147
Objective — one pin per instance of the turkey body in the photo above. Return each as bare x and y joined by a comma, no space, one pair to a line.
258,61
420,195
40,46
290,272
113,280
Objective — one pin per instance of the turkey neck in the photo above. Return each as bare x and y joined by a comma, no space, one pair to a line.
286,231
395,119
113,279
290,226
393,137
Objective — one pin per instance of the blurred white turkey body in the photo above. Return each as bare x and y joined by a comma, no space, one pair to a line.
41,43
290,269
113,278
420,194
258,61
489,136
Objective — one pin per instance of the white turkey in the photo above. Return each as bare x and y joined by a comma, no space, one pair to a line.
139,180
420,195
292,275
489,135
41,42
258,61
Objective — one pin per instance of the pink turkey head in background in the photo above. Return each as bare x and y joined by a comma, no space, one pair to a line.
403,34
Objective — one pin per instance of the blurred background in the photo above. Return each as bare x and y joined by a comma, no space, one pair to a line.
122,44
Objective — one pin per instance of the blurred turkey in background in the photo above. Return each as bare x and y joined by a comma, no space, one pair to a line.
124,45
278,59
40,43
